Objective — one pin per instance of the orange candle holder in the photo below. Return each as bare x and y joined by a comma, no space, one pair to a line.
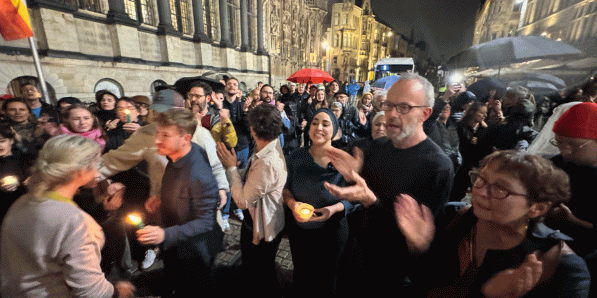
305,211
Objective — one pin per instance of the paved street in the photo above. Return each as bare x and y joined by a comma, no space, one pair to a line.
228,261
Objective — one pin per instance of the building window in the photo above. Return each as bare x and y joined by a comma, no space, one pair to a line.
336,40
147,12
210,19
252,20
141,10
110,85
336,19
91,5
180,12
234,22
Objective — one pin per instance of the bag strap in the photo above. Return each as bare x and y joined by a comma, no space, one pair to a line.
551,259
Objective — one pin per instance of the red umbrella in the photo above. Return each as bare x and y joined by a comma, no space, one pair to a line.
310,74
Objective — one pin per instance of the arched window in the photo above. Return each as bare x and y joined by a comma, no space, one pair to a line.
16,83
110,85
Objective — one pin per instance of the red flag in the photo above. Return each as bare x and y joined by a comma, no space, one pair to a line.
15,22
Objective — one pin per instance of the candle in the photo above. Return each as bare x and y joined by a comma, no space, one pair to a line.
128,115
305,211
10,180
136,220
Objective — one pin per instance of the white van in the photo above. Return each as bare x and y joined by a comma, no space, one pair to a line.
389,66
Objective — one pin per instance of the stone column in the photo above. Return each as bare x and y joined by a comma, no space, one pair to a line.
117,13
260,42
164,19
244,26
224,24
198,21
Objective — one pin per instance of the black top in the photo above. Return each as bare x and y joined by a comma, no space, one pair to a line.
423,172
570,279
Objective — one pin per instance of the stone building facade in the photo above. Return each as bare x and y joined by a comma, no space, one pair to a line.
296,33
131,46
570,21
357,39
497,19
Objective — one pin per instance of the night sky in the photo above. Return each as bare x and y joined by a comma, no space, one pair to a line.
446,25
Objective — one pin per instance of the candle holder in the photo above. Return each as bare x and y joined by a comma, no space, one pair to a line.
305,211
135,220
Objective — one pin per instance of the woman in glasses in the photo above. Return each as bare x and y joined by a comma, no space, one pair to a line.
498,247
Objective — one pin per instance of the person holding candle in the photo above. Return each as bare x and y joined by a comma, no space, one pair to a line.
257,190
317,235
12,171
128,123
189,237
59,255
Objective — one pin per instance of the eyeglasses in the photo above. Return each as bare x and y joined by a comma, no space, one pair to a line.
567,146
493,189
192,96
402,108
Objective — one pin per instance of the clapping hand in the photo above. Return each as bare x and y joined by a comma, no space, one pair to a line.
228,158
357,193
346,163
415,222
516,282
111,124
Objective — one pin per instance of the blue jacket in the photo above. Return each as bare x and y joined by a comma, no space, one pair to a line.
353,88
189,204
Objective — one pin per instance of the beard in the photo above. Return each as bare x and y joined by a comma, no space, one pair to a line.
405,132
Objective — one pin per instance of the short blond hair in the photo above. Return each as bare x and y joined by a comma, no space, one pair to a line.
60,158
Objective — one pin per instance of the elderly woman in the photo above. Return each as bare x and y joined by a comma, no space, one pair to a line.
378,125
317,241
50,247
498,247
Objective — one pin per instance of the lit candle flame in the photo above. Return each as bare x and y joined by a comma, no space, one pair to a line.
127,112
136,220
10,180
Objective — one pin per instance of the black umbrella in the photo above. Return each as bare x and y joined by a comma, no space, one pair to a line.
183,85
504,51
481,88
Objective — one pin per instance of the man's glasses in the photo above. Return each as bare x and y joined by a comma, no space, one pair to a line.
494,190
193,96
402,108
567,146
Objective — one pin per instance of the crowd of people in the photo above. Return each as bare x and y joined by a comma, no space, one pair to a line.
399,191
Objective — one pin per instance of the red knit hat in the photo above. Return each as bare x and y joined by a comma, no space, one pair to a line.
580,121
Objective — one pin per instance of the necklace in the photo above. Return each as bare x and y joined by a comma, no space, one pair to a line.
472,247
